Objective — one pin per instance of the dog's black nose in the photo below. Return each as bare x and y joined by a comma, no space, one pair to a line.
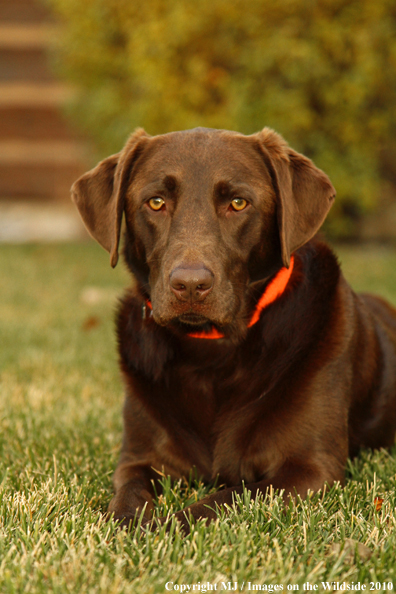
192,282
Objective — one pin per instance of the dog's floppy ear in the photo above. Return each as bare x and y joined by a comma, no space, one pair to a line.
304,193
99,194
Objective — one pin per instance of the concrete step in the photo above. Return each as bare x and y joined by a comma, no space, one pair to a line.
26,221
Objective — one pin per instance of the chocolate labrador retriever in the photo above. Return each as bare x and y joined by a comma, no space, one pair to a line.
245,353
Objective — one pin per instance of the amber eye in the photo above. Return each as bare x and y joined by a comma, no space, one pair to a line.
156,203
239,204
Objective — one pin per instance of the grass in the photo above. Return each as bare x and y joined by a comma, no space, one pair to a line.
60,408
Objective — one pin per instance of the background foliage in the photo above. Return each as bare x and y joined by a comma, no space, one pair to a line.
321,72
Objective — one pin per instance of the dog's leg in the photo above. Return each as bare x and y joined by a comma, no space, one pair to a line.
292,479
133,494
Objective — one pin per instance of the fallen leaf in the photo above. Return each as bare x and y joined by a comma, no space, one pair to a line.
90,323
378,503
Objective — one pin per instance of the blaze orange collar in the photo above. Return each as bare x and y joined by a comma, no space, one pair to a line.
273,291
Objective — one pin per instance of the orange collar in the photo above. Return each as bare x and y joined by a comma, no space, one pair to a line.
274,289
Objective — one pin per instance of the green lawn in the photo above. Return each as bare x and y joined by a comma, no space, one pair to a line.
60,406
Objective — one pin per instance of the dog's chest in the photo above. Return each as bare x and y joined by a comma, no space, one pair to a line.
215,430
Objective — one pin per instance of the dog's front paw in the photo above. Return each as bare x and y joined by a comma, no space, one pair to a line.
185,518
130,522
131,506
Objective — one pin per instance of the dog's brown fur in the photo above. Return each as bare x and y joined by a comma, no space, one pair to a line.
282,403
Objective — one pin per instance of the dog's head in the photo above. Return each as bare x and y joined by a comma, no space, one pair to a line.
208,214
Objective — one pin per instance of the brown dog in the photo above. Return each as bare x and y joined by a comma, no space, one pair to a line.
245,353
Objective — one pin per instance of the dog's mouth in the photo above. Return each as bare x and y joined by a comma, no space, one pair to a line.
193,319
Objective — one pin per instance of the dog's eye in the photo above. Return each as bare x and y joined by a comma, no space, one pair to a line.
238,204
156,203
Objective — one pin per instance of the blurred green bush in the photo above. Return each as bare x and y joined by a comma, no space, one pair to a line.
322,73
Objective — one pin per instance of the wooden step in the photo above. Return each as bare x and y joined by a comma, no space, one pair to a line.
40,155
17,151
33,181
24,64
23,11
26,36
40,169
34,123
30,94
